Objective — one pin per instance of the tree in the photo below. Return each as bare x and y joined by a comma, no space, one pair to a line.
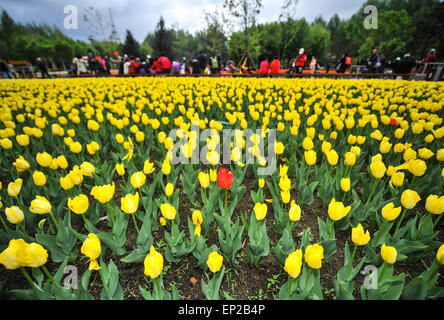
245,11
162,40
214,33
131,46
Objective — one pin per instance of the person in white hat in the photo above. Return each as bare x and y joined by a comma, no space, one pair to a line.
302,58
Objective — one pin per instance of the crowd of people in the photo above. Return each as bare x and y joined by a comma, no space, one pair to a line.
213,65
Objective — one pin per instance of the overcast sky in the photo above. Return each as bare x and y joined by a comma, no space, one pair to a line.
141,16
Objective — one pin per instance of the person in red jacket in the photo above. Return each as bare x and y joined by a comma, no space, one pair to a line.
264,66
156,68
165,63
302,58
275,66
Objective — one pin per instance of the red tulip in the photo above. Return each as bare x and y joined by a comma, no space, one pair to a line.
393,122
224,178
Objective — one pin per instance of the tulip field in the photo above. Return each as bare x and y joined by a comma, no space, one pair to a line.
94,205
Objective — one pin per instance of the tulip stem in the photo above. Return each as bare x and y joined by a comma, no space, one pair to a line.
48,274
353,255
28,278
384,264
135,222
379,232
4,223
54,220
400,221
85,221
308,175
226,202
437,220
157,288
373,190
346,171
343,197
22,227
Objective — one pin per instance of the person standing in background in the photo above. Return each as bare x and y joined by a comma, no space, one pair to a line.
302,58
275,66
264,66
41,65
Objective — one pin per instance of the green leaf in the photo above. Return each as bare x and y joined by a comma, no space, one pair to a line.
415,290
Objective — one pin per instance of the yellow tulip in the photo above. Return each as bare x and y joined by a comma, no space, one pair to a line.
166,166
138,179
214,261
44,159
103,193
350,159
361,139
389,254
120,169
153,263
384,147
22,139
140,136
345,184
356,150
204,179
40,205
440,254
129,203
75,147
279,148
435,204
92,249
168,211
260,210
378,169
39,178
78,204
21,164
120,138
336,210
359,237
295,211
284,183
66,182
14,215
332,157
293,264
148,167
409,198
87,169
36,255
307,144
261,183
62,162
285,195
92,147
76,175
310,157
213,175
425,153
14,256
314,254
397,179
6,143
417,167
169,189
389,212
